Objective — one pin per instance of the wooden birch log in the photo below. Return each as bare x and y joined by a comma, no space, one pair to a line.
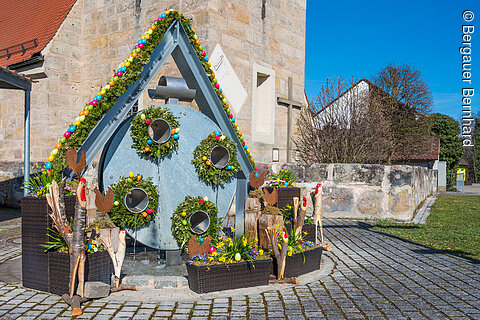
280,253
299,218
113,240
317,195
264,222
252,214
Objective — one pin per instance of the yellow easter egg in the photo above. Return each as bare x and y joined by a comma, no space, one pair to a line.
130,174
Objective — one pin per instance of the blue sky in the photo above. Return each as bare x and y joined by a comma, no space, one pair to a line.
358,38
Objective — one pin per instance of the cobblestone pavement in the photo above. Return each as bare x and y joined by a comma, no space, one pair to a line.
375,276
10,231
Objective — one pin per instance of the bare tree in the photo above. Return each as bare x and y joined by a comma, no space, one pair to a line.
341,126
406,102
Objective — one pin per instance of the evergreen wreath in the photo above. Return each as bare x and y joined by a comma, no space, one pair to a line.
142,141
181,219
205,169
119,213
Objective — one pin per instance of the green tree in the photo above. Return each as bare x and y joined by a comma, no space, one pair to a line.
476,149
451,149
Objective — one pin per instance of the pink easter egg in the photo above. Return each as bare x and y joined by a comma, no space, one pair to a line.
201,200
150,210
119,73
217,86
217,137
211,250
94,103
136,46
230,116
148,121
203,53
67,134
140,45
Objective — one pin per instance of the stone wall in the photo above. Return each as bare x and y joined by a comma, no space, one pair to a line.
368,191
11,181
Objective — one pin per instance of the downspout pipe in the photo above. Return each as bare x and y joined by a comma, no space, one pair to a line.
26,144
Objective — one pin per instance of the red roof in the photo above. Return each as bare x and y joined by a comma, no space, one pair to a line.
27,26
429,150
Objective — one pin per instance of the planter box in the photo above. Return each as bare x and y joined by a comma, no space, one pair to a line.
50,271
309,228
203,279
35,222
285,195
301,263
98,267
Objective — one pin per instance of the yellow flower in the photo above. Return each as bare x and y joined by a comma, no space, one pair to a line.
305,232
293,184
279,246
289,253
245,241
220,244
230,244
210,259
260,252
220,238
221,259
232,229
256,240
214,254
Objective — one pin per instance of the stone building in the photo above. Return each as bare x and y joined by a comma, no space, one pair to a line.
72,47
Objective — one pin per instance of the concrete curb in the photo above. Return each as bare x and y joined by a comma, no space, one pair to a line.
154,294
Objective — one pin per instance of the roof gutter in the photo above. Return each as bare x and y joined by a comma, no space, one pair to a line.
26,63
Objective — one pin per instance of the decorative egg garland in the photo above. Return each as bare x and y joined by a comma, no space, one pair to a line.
141,130
202,161
181,228
120,215
126,74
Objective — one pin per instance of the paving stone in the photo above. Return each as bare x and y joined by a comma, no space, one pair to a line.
375,277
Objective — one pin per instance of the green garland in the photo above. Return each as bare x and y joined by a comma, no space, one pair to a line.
141,139
201,159
181,219
130,76
119,213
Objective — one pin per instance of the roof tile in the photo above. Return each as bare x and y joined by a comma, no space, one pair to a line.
26,21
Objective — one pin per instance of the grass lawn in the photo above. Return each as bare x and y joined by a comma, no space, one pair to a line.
453,225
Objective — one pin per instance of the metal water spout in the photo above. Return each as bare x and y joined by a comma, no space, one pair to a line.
173,90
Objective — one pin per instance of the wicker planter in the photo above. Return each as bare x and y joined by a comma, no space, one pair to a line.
285,195
203,279
301,263
35,221
98,267
308,228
